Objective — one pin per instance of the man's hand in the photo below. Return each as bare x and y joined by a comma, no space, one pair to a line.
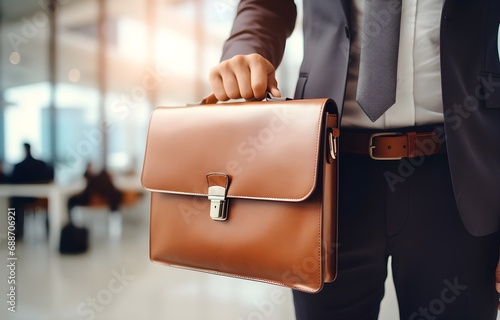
244,76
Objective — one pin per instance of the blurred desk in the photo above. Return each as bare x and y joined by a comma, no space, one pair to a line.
57,197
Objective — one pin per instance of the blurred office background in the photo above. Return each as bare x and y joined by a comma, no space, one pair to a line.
78,80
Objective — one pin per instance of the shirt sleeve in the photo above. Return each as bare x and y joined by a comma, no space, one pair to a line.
261,26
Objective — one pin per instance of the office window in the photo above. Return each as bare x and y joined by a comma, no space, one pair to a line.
156,53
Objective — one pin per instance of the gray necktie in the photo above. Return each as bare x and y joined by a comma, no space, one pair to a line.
379,57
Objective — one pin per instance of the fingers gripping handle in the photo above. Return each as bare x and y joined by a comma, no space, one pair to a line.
211,99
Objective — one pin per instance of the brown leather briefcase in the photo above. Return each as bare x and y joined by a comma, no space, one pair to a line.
245,189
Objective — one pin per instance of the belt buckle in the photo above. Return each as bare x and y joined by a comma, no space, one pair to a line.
371,146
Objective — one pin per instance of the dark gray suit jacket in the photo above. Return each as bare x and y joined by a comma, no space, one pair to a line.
470,72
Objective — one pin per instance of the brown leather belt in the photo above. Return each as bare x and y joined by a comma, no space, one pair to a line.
391,145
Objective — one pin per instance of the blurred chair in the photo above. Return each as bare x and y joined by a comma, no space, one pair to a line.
38,206
101,193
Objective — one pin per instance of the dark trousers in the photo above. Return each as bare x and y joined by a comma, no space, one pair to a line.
407,211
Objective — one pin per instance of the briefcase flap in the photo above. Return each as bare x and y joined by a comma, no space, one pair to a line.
268,150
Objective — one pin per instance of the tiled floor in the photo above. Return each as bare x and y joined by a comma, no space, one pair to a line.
116,281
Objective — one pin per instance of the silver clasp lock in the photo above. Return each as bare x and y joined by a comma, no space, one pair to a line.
333,135
217,191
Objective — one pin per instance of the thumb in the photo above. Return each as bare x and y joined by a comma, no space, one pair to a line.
272,85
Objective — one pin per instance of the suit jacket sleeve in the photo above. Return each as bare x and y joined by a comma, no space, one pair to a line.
261,26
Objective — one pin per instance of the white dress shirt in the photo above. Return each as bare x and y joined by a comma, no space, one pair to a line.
418,93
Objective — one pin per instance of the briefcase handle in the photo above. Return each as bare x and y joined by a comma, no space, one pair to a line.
211,99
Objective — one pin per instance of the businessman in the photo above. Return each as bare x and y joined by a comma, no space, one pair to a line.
28,171
417,84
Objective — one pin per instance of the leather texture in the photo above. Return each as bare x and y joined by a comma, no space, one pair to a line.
392,145
274,160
